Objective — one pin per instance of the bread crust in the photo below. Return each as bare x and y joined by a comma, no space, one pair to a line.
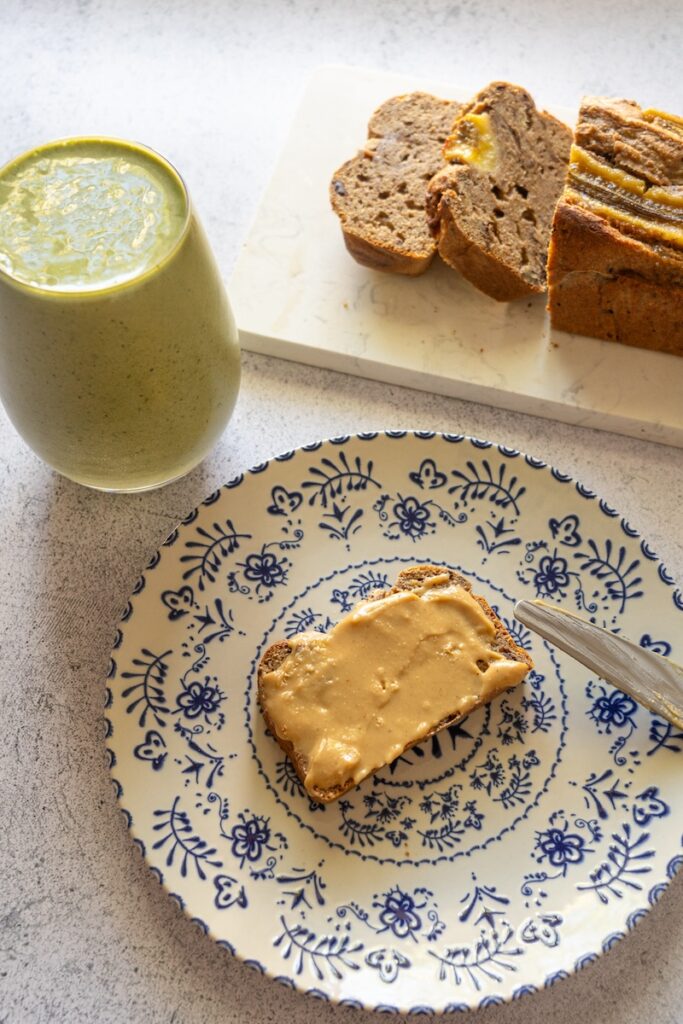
382,256
408,579
609,285
616,130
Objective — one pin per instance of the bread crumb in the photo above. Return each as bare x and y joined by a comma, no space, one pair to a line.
345,305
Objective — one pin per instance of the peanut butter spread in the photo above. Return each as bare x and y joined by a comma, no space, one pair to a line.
472,142
351,700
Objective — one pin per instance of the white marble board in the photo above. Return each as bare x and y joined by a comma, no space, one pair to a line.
297,294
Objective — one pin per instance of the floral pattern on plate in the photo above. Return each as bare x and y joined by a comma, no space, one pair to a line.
465,873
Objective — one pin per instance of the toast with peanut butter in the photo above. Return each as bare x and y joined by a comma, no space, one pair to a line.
491,206
401,665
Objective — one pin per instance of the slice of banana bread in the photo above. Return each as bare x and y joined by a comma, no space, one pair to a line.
491,207
403,664
379,195
615,268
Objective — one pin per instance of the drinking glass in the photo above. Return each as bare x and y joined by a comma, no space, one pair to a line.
119,356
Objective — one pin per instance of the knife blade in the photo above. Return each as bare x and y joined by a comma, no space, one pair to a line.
654,681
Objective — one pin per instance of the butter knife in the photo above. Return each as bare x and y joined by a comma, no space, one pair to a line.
654,681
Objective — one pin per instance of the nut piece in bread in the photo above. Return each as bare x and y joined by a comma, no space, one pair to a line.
615,268
492,206
379,195
403,664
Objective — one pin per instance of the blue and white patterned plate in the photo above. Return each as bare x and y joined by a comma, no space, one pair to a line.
502,854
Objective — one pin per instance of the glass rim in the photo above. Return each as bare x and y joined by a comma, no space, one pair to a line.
81,293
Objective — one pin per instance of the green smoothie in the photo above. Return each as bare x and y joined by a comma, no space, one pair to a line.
119,361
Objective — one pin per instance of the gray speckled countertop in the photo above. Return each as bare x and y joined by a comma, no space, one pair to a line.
86,934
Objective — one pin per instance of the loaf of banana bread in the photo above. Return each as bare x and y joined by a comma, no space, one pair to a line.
615,267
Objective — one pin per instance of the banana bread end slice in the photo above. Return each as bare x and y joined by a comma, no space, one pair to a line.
379,195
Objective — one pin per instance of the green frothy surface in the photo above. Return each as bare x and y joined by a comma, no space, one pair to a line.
87,214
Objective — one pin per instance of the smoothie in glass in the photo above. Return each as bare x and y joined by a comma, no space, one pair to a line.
119,359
